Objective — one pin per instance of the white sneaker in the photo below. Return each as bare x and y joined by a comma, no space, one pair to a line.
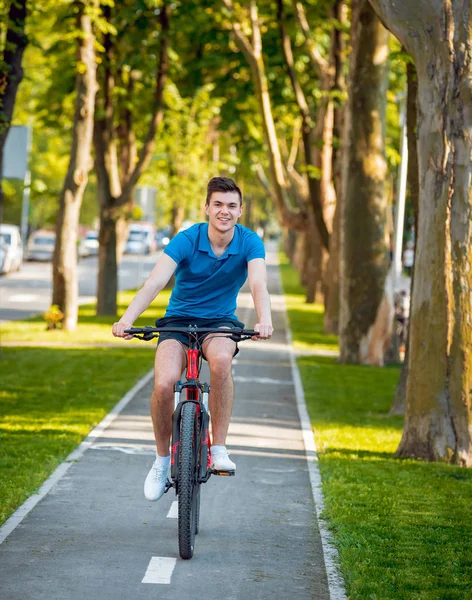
220,460
155,484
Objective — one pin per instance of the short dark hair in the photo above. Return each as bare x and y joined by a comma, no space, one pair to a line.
222,184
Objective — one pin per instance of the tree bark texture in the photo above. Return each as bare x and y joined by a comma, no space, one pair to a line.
364,254
11,73
331,282
65,283
438,420
398,405
115,187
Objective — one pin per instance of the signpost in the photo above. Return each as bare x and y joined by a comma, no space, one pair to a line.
15,166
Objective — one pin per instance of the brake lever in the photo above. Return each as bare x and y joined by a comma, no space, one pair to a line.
145,336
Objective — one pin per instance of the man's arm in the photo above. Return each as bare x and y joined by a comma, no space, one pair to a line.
257,279
156,281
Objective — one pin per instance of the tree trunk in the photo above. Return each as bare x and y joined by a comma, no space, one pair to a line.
115,190
107,266
177,217
289,241
65,283
299,254
314,265
364,249
332,276
331,280
11,74
438,420
398,405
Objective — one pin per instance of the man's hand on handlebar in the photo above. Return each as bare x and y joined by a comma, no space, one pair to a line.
265,331
119,328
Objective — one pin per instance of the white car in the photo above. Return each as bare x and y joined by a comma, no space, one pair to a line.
141,239
40,245
89,245
11,254
136,243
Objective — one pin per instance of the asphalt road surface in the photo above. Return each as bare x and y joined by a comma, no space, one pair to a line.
95,536
28,292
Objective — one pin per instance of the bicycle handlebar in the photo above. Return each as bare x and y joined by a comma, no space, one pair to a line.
235,333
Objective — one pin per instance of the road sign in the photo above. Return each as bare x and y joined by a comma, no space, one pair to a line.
15,153
145,197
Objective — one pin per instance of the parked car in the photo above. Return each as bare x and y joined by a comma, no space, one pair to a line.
3,254
12,249
89,245
136,243
40,245
141,239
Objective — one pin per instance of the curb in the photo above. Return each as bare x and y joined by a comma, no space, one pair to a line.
330,554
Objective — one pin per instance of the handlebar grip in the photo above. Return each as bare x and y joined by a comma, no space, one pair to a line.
243,333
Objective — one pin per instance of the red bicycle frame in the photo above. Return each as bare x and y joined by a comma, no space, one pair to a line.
192,388
192,370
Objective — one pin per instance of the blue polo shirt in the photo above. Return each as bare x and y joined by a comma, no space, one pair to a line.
207,286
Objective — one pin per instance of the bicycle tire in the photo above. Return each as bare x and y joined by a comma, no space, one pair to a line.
188,481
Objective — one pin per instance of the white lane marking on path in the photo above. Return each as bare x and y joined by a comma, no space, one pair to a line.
240,379
124,449
62,469
159,570
330,553
173,510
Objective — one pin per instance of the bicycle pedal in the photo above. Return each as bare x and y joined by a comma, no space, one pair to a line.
223,473
169,486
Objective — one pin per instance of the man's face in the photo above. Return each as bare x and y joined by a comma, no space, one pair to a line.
224,210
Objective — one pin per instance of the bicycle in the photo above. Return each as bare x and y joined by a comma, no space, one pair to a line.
191,445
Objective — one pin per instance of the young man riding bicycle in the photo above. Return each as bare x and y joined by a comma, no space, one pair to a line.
211,263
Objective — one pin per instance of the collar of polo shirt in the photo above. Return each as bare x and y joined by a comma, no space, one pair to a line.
205,246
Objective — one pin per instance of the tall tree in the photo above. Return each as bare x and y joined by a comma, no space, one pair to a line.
252,50
115,185
364,254
321,127
13,42
65,282
438,421
338,90
316,135
313,127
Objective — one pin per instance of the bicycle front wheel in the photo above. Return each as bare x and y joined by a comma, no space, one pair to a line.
189,487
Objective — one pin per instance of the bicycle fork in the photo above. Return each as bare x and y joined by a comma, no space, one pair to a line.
203,440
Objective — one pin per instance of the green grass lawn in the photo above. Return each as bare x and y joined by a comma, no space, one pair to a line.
91,329
403,528
300,312
51,397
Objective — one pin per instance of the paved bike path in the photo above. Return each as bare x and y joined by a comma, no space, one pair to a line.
95,536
